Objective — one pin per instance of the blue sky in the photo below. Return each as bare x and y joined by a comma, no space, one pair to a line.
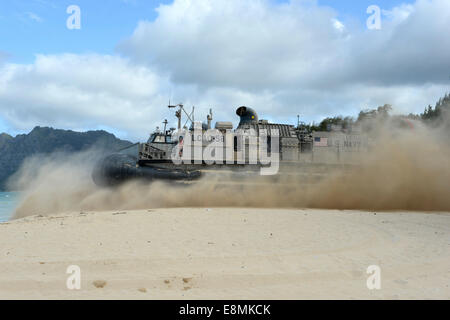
104,23
29,27
128,59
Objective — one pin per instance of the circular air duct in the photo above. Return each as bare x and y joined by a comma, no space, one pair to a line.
248,115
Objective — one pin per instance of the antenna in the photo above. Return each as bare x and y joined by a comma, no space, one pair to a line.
209,117
178,113
165,125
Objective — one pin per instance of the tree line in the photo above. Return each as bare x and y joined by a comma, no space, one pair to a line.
430,115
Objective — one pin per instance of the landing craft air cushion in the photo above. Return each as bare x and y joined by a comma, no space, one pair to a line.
256,147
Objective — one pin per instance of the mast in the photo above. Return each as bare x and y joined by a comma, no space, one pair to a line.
179,112
209,117
165,126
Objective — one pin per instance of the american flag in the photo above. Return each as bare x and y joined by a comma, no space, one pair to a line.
320,142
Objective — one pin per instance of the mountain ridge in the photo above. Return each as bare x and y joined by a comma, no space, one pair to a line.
47,140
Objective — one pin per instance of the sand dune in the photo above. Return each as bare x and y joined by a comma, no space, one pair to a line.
227,253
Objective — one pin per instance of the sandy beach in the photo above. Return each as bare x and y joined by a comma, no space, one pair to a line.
222,253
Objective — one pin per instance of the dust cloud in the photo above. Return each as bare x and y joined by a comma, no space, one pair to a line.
406,169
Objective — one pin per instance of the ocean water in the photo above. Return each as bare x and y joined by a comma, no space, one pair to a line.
8,203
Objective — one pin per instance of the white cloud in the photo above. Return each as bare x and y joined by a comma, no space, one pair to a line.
33,16
282,59
291,57
80,92
258,45
251,44
83,92
399,14
338,25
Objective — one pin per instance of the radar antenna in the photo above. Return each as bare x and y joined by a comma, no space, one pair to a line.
178,114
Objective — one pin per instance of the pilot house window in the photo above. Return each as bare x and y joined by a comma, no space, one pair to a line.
159,138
